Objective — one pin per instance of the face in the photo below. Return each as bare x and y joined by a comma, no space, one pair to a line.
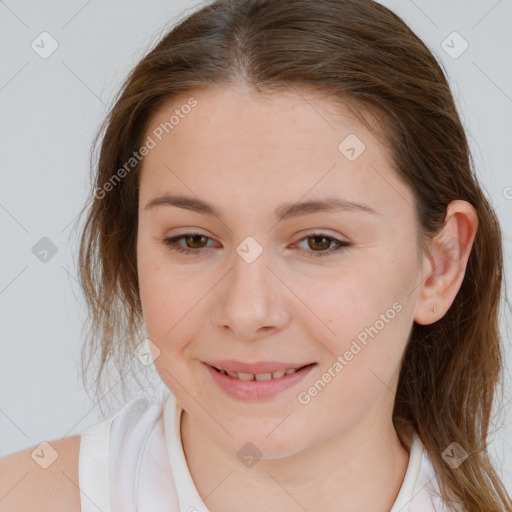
266,281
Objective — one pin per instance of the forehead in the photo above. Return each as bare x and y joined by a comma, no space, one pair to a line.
239,117
234,143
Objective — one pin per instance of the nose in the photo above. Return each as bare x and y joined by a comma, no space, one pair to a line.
251,301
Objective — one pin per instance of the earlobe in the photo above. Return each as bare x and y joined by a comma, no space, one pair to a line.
447,261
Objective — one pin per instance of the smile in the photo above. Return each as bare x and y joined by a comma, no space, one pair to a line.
259,376
256,386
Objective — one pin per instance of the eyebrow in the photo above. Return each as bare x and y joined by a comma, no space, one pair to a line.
283,212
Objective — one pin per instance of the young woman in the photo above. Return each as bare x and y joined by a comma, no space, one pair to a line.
285,209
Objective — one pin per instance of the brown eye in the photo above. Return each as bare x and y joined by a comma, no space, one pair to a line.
320,243
195,241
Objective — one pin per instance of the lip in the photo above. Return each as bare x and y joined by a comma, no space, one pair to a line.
259,367
250,390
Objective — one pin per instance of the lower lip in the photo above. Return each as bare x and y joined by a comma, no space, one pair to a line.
256,389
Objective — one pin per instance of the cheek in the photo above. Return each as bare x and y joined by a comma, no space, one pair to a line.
365,317
163,305
369,324
159,291
171,304
348,301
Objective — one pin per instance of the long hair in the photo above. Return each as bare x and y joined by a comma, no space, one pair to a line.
361,55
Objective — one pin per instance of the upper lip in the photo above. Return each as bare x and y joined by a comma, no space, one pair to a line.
259,367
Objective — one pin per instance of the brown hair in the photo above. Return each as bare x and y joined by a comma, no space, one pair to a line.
364,56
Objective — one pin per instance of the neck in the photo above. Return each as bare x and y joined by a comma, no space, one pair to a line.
359,469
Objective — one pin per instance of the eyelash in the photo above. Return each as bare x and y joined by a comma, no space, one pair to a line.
172,243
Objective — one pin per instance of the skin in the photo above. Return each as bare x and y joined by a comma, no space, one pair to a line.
248,154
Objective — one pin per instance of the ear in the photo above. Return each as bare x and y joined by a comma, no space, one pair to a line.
445,265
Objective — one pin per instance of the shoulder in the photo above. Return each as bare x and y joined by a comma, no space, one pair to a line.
43,477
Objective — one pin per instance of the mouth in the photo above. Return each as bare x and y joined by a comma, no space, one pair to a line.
263,376
247,386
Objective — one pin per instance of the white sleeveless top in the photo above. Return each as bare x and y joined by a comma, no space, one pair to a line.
134,462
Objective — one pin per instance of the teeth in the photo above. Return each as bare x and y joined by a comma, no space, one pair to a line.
259,376
263,376
245,376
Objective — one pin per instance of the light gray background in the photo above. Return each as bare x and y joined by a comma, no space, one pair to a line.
50,110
